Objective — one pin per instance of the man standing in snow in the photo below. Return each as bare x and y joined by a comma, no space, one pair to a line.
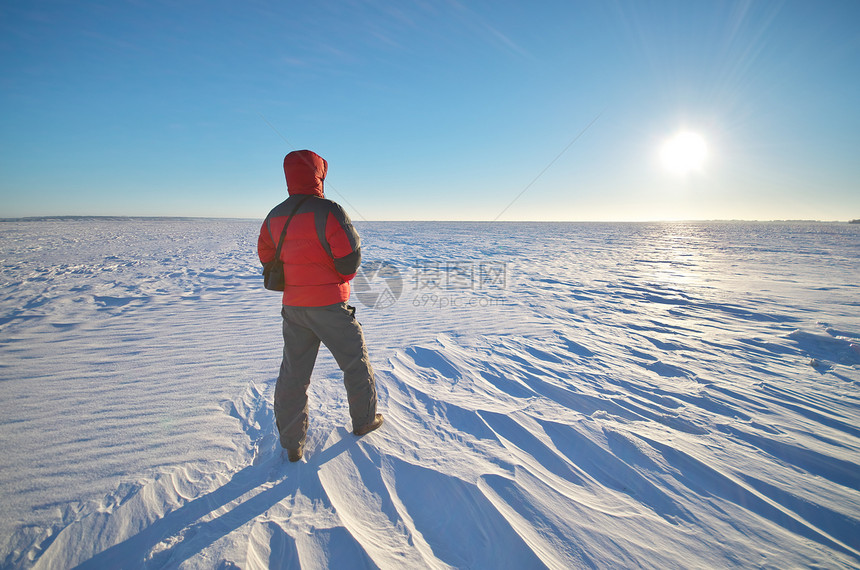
321,253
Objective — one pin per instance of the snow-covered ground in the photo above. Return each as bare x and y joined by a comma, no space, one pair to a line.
679,395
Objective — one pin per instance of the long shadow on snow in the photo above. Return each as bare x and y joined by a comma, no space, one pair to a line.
184,521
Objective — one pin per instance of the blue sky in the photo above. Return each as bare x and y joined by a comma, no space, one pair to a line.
431,110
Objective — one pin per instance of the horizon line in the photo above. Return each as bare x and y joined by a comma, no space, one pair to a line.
120,217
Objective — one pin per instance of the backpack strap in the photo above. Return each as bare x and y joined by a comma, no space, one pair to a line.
286,225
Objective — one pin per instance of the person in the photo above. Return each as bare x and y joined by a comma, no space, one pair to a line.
321,254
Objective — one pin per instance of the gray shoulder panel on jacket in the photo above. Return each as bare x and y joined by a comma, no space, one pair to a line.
322,208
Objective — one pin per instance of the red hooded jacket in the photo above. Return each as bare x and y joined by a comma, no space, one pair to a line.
322,250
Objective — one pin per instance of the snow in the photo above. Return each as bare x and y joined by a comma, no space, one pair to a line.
673,395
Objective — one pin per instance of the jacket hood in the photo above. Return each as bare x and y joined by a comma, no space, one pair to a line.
305,171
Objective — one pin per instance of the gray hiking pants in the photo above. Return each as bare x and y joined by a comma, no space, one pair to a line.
304,329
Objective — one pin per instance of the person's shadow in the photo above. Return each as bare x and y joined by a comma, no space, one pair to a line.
193,536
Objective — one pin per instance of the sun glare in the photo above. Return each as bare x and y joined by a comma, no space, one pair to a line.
684,152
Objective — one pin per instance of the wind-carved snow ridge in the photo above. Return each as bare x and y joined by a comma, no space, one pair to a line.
635,395
256,418
600,451
568,455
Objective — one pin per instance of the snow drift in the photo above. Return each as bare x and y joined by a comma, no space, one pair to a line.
556,395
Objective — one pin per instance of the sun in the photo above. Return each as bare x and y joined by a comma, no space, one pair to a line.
685,152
